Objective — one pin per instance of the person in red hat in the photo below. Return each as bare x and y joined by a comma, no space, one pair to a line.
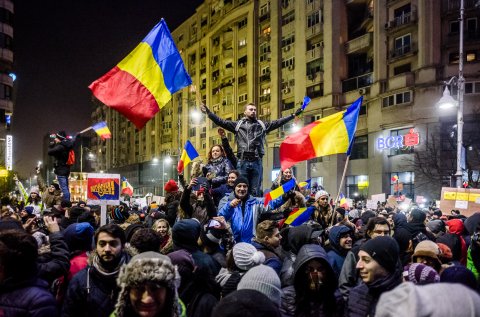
172,201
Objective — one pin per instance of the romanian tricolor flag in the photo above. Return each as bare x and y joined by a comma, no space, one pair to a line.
343,201
299,216
277,192
189,154
330,135
305,184
102,130
127,189
144,81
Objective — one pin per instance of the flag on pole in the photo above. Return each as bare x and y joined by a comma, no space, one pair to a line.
299,215
127,189
330,135
102,130
144,81
305,184
189,154
343,201
277,192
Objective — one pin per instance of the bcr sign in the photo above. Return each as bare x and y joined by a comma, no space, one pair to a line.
412,138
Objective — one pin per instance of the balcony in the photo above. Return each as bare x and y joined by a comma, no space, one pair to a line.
314,78
265,98
264,17
359,44
403,50
314,6
313,30
313,54
265,77
404,19
355,83
6,55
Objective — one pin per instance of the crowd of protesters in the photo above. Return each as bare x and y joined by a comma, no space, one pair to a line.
214,248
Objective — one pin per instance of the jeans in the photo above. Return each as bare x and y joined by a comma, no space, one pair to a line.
253,171
63,183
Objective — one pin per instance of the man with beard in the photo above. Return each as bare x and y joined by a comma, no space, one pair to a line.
93,291
314,292
243,211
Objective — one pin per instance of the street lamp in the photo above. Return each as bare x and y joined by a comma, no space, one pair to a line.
166,160
448,102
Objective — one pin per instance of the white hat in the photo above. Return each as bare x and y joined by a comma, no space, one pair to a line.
246,256
320,193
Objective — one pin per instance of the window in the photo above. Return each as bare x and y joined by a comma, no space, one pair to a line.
265,70
191,132
266,31
266,91
454,27
315,67
404,149
402,45
469,57
242,23
360,148
287,40
264,50
242,42
265,9
242,98
290,62
402,15
357,186
315,91
5,92
242,79
314,18
289,17
471,87
403,187
405,68
396,99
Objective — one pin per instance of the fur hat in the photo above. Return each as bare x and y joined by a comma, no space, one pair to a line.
265,280
384,250
147,267
171,186
321,193
420,274
246,256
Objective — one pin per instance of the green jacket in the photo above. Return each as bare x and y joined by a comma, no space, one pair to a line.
471,265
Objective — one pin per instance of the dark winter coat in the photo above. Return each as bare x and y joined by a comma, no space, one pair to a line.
200,212
55,263
220,192
272,259
91,293
251,135
60,152
363,298
336,255
292,303
221,167
30,298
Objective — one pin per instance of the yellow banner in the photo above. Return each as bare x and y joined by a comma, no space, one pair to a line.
462,196
450,195
473,197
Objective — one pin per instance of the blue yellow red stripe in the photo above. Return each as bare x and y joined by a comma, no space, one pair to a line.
188,154
277,192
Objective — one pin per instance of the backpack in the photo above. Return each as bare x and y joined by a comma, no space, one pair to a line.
71,157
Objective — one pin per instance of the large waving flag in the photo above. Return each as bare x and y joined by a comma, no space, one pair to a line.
299,215
277,192
144,81
127,189
189,154
102,130
330,135
305,185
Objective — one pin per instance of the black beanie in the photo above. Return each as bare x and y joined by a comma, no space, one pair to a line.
384,250
240,180
418,215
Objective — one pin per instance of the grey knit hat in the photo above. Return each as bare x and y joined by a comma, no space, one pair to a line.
146,267
246,256
265,280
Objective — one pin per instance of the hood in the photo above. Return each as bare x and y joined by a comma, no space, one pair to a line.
299,236
314,251
185,234
455,226
335,234
399,220
472,223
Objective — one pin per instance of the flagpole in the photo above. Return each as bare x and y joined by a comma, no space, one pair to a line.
340,187
85,130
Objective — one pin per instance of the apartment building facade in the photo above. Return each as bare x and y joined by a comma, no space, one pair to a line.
394,53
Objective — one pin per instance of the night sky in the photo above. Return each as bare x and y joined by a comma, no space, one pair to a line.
62,46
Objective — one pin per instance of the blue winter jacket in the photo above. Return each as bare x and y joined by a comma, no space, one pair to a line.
243,224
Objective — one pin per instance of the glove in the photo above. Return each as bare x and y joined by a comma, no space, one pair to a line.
298,112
